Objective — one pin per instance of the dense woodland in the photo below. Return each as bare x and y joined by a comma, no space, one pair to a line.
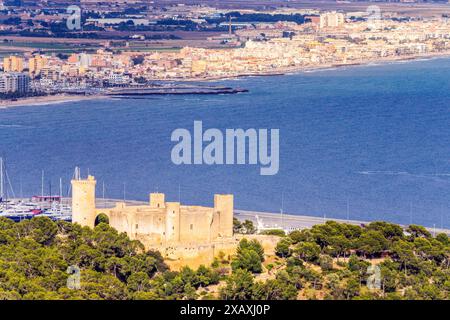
329,261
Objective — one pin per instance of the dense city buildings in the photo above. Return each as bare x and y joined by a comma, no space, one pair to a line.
329,40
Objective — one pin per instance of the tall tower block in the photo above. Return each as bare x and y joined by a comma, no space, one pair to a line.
83,201
224,205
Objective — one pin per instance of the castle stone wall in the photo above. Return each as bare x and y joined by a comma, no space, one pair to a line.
182,233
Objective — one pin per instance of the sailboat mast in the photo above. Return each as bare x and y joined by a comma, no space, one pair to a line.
60,194
103,193
281,210
42,184
1,179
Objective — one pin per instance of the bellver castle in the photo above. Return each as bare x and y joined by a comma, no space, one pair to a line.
185,235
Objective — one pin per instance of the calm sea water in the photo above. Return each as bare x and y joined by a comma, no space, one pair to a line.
374,140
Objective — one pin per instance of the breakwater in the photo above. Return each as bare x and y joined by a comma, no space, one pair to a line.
124,92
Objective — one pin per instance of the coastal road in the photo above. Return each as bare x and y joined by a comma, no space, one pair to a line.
290,222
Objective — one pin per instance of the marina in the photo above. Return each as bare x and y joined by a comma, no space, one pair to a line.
23,209
51,206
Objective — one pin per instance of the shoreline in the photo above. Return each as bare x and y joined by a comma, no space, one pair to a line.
301,221
65,98
47,100
322,67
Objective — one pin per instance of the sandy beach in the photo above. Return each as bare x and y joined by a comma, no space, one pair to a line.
46,100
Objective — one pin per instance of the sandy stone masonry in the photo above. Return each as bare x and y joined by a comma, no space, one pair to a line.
190,235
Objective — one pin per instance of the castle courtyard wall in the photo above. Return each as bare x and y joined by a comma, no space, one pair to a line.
197,254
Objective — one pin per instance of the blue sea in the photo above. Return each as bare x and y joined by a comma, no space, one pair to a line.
361,142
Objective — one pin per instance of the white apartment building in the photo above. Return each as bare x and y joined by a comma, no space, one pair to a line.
12,82
118,79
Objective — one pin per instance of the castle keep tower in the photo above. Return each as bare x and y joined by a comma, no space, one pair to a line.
83,201
172,221
224,204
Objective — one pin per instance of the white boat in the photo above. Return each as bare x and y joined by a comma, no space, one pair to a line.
21,209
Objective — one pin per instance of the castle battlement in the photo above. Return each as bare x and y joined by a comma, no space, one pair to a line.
90,180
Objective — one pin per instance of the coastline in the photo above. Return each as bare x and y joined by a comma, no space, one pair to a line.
301,221
299,69
46,100
64,98
302,69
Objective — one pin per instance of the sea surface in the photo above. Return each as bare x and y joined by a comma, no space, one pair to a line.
361,142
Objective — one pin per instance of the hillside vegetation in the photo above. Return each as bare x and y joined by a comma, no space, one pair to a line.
329,261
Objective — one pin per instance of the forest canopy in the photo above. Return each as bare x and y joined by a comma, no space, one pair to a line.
329,261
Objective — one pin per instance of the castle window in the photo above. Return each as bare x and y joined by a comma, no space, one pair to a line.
192,227
137,226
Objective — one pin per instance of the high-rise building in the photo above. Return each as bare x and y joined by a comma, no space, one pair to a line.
13,64
36,64
331,19
14,82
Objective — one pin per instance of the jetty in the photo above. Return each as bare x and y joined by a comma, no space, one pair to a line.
171,90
